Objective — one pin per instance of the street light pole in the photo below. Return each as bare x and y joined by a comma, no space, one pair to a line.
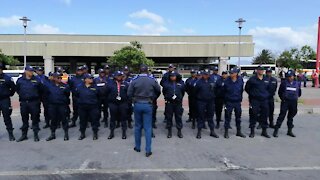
25,20
240,22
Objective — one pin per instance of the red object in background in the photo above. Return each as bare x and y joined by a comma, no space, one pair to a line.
318,55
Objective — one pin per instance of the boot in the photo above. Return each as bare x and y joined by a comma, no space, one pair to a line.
199,134
82,136
180,133
95,135
239,133
36,137
124,134
218,125
111,134
130,125
226,133
23,136
66,135
11,136
73,124
169,133
51,137
265,133
213,134
290,133
251,133
275,132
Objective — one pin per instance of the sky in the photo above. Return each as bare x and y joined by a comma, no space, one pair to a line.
274,24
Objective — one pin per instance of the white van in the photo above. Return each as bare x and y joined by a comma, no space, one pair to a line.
15,74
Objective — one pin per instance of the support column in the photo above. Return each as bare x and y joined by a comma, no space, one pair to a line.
223,64
48,64
73,65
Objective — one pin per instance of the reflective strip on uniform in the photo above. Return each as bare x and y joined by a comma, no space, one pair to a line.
101,84
291,89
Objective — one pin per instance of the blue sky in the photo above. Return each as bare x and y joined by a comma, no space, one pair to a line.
274,24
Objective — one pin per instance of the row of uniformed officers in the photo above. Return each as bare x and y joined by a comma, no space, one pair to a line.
207,93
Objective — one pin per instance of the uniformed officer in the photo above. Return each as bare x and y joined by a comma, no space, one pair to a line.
173,92
109,77
29,89
191,96
118,103
233,90
204,89
165,76
273,84
73,83
58,98
85,69
289,92
102,82
7,89
257,88
127,77
142,90
44,98
88,103
219,101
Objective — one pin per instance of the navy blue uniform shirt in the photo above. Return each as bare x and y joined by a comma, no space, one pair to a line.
29,89
290,91
87,95
75,81
205,90
273,84
233,90
171,89
7,86
257,89
58,94
113,93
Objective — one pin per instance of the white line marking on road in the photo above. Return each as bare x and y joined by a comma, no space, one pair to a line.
119,171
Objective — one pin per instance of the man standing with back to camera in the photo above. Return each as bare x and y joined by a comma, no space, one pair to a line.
142,91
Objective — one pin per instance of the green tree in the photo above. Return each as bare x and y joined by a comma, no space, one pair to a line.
307,53
132,56
264,57
8,60
289,59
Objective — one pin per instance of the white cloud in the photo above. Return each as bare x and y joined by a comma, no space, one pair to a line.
67,2
45,29
281,38
188,31
10,21
156,26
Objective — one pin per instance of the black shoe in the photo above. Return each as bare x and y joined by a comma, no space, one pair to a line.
240,134
11,136
213,134
289,133
275,132
169,133
73,124
265,133
199,134
23,137
111,135
95,135
82,136
51,137
130,125
148,154
136,150
46,126
259,126
226,133
252,133
218,125
36,137
180,133
124,134
66,136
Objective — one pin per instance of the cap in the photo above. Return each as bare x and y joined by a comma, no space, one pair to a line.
260,68
28,68
100,71
40,69
85,67
118,73
205,72
193,71
126,68
59,69
171,66
56,74
173,73
290,73
80,68
88,76
215,68
233,70
106,66
50,73
143,68
268,69
224,72
199,73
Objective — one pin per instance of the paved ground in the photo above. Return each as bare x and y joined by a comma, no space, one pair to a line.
187,158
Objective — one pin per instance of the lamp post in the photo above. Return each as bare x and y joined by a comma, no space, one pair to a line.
25,20
240,22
